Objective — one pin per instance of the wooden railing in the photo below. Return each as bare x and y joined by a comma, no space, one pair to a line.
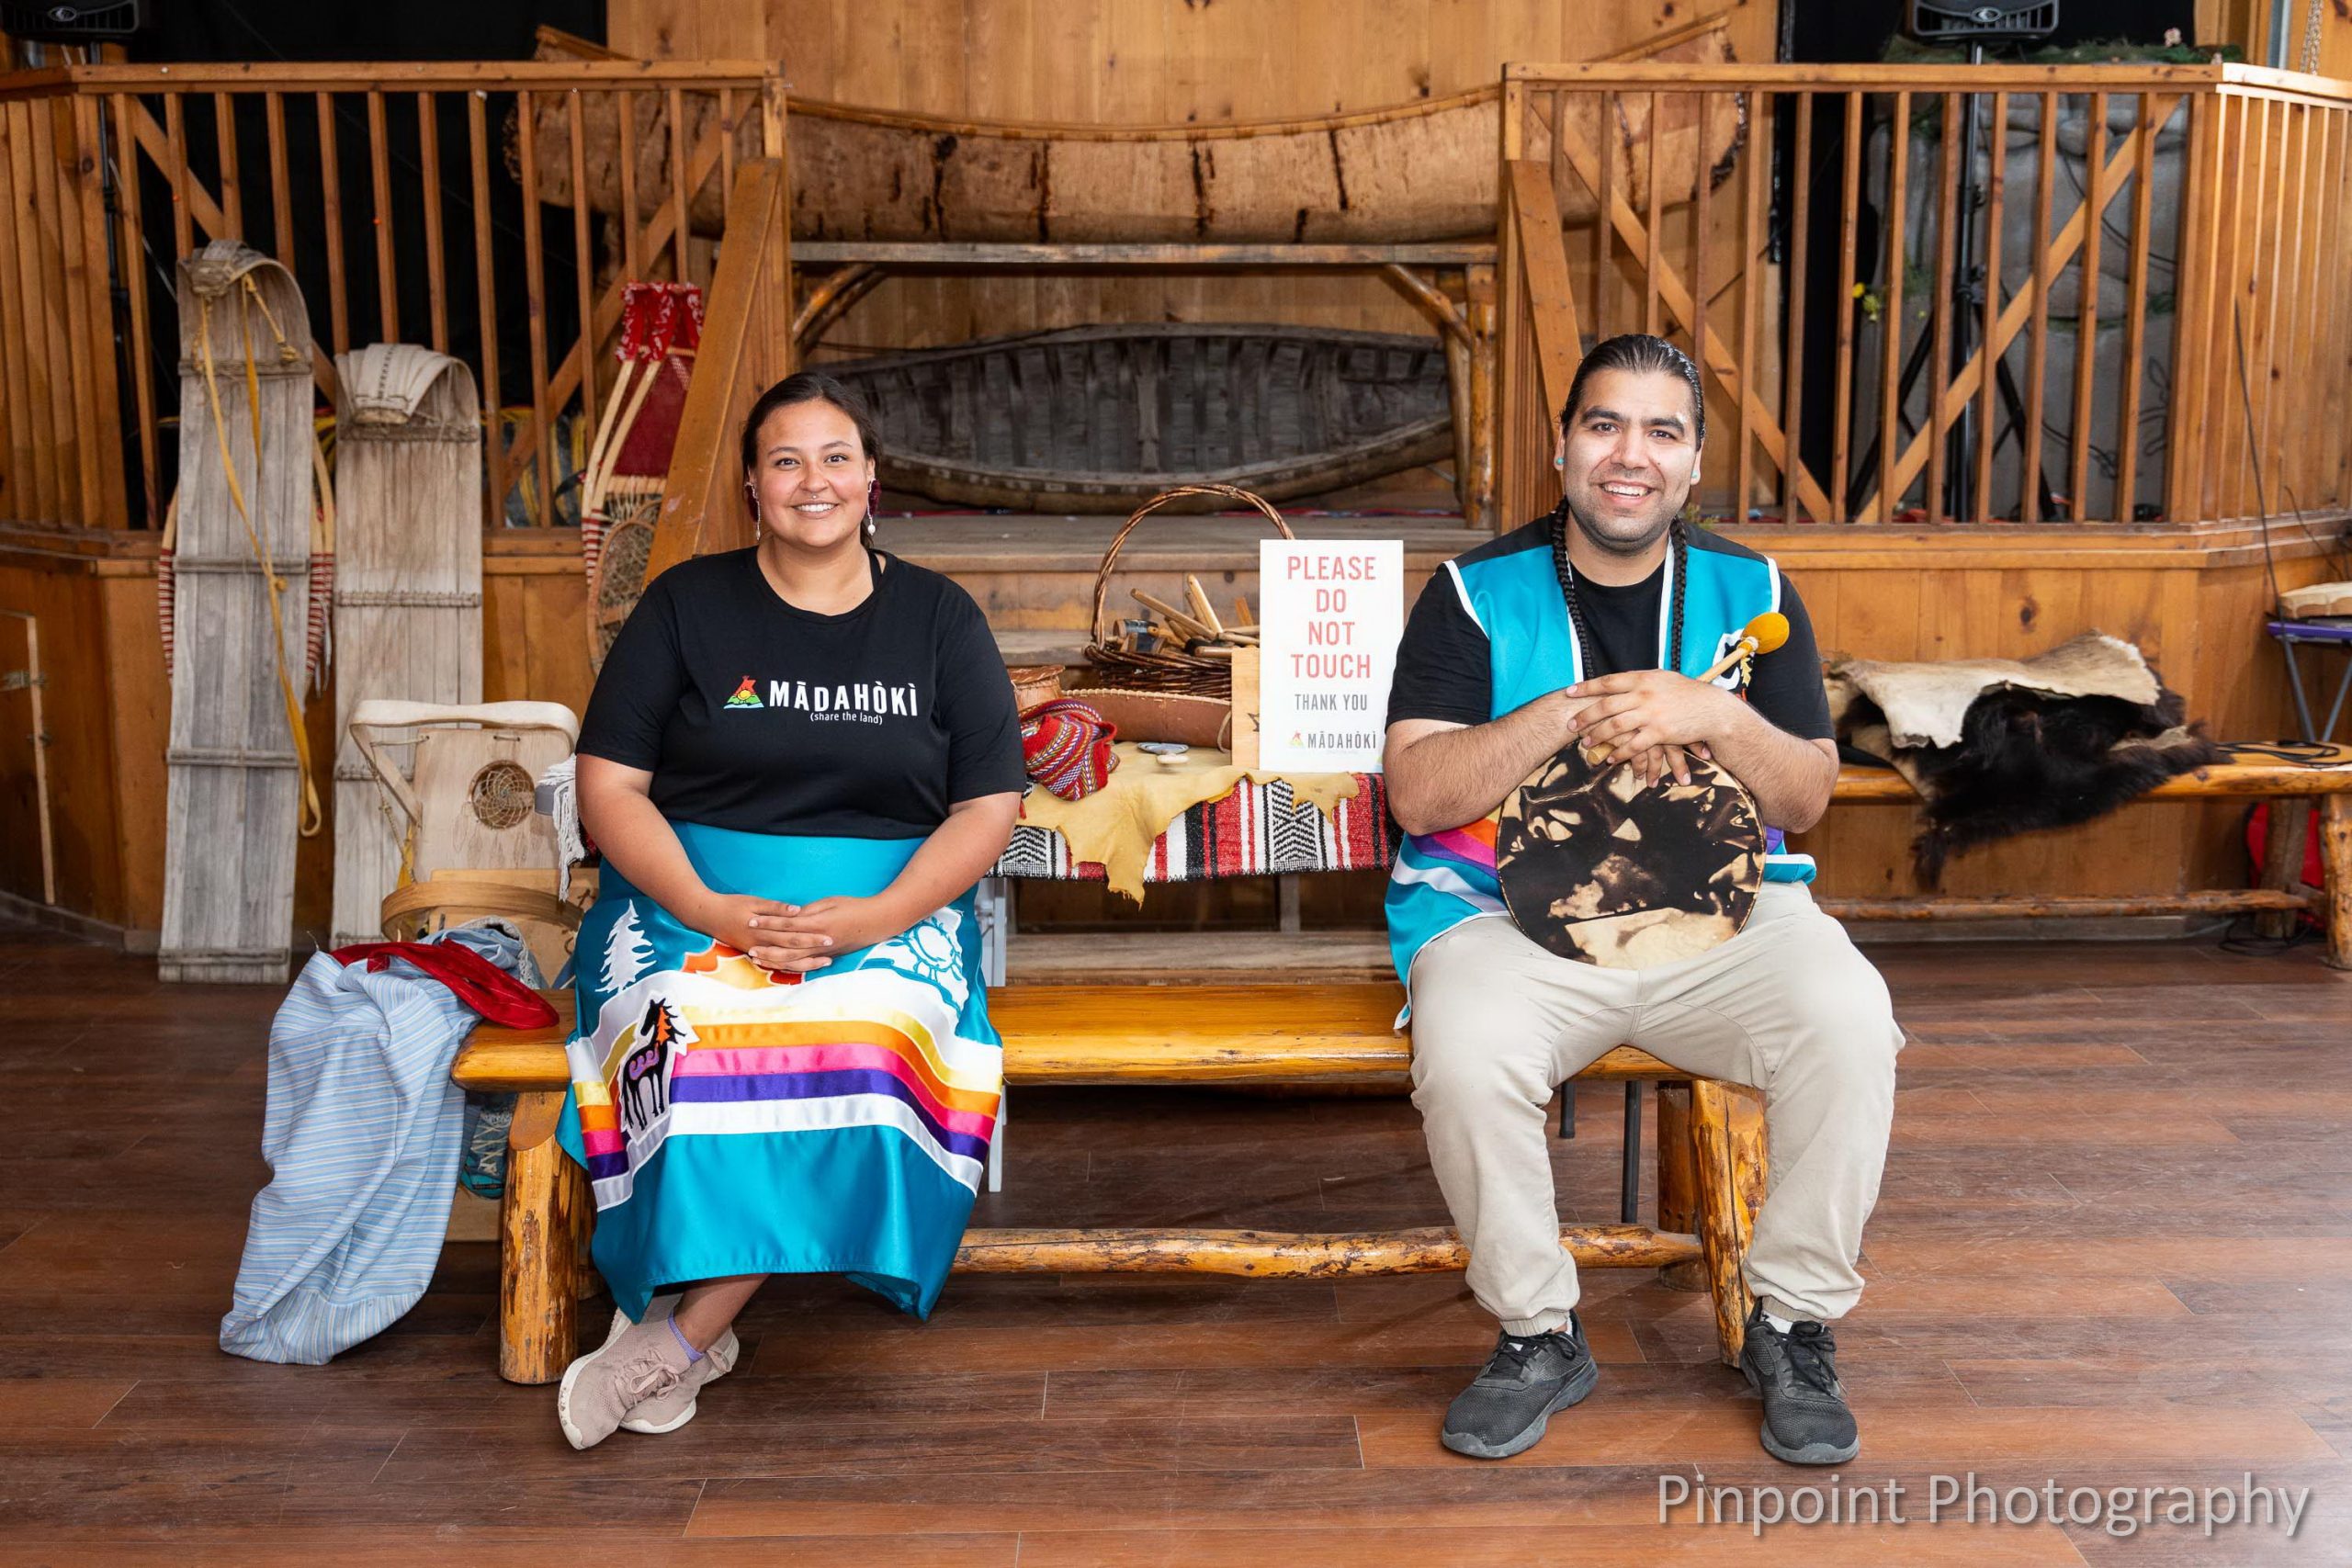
112,172
747,346
1845,352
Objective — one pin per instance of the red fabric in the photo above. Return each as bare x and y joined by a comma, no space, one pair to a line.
1066,747
659,318
661,323
2257,842
472,978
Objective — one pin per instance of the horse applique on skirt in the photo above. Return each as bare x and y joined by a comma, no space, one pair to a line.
733,1121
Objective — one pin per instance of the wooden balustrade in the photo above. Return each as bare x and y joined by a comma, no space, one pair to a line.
2142,247
746,348
1845,356
110,172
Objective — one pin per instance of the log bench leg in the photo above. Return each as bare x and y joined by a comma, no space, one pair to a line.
2282,864
1678,1183
540,1228
2335,868
1728,1138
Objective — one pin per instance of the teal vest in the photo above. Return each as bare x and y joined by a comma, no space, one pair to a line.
1511,590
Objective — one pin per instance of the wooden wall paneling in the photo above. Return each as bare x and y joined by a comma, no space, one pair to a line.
2319,303
2218,402
330,226
2259,493
11,466
1997,179
27,854
89,305
2135,310
26,493
138,707
558,668
2192,309
37,177
2240,346
2336,194
1752,267
1947,183
2037,377
1841,473
2319,486
2088,309
1891,280
2283,304
281,181
507,593
388,299
314,856
61,593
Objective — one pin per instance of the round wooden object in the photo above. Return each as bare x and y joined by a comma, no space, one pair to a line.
1598,869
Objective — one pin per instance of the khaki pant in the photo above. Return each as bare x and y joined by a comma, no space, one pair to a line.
1788,1006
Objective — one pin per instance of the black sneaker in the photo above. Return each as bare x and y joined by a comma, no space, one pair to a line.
1503,1412
1805,1417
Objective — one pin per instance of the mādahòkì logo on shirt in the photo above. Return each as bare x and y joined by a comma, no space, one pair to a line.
870,700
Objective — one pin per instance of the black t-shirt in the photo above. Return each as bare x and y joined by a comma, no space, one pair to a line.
1443,670
753,714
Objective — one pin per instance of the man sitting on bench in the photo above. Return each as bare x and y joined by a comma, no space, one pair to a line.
1590,624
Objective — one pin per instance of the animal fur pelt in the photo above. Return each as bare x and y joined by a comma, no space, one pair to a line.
2000,746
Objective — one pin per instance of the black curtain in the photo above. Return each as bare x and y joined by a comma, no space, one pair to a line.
1821,32
268,31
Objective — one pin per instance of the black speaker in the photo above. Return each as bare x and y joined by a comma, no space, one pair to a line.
1946,21
70,21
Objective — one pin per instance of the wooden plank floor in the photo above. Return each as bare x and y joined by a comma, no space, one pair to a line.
2114,1249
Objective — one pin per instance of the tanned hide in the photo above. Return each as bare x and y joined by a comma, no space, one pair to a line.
1999,747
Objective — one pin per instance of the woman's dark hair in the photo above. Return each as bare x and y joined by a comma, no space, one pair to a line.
1639,351
811,386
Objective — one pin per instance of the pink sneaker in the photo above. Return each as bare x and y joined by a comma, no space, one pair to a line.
605,1386
668,1412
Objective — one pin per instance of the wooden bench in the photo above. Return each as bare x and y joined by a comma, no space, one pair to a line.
2249,779
1710,1142
1711,1136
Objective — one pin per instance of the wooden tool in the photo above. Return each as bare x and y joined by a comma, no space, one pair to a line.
1202,610
1762,635
1181,620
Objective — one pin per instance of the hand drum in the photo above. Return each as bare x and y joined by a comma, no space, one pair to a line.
1598,869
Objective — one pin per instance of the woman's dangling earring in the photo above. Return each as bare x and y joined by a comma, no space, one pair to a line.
873,500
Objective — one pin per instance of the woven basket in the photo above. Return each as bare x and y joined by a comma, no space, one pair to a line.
1175,671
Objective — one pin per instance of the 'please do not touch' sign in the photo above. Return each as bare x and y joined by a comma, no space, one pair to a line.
1330,613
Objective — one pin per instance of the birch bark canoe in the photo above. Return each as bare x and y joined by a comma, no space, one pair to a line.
1105,418
1406,173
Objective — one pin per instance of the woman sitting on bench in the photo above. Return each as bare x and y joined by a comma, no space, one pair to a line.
798,761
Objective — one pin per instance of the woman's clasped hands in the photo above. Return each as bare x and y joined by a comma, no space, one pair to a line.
795,938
